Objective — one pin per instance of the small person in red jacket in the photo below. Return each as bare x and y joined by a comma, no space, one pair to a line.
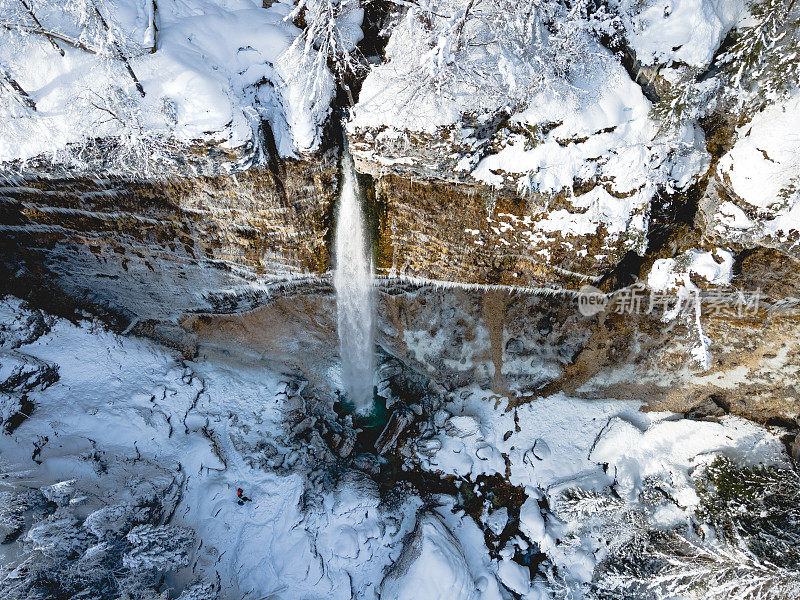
241,496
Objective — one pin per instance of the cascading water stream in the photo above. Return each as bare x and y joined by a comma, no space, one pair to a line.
352,280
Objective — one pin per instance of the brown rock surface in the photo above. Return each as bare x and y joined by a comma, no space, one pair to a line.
157,249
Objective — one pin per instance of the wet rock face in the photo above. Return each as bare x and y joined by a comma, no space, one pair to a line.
241,261
642,359
754,353
525,346
297,331
157,249
510,343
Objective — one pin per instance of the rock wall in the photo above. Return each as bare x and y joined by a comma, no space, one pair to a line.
436,223
156,249
525,346
471,234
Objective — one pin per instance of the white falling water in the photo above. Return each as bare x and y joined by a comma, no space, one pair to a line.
352,279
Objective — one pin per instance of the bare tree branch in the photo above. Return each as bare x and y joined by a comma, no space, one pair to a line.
118,51
39,25
461,22
49,34
21,93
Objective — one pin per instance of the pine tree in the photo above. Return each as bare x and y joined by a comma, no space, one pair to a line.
763,62
158,547
751,553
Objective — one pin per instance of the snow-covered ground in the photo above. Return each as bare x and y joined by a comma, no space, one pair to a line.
763,169
219,425
126,410
678,31
209,71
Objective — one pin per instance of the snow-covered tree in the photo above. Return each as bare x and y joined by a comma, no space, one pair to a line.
743,545
119,551
763,61
331,32
502,52
158,547
686,98
200,591
760,65
721,571
322,57
759,506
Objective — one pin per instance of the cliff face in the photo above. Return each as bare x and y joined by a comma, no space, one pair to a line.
154,250
525,346
472,234
751,326
583,179
257,245
439,221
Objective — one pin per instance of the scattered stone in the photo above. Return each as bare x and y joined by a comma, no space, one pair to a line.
462,427
514,346
496,520
429,447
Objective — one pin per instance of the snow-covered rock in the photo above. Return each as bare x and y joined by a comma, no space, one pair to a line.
671,449
559,137
514,576
757,199
531,522
683,31
431,567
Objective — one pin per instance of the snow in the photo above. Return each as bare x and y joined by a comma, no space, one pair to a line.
678,31
607,100
603,132
482,567
217,68
497,520
514,576
568,429
567,426
762,169
389,99
670,449
223,421
734,217
432,567
130,398
592,125
531,522
715,266
552,444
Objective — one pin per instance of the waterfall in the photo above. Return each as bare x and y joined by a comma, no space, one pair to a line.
352,279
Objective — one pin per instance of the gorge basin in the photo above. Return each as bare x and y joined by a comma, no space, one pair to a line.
351,300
